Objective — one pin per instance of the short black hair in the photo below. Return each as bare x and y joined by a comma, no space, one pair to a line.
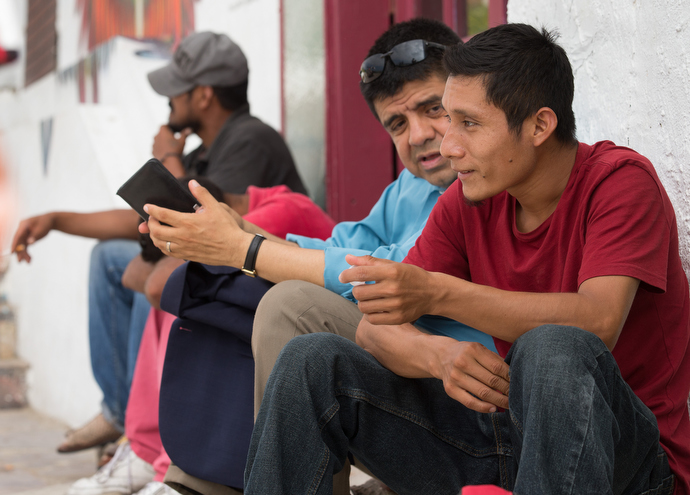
394,78
522,70
232,97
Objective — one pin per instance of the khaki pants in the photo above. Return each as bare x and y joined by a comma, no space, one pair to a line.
187,484
295,308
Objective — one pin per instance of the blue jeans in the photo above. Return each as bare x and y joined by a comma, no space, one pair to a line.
574,425
117,317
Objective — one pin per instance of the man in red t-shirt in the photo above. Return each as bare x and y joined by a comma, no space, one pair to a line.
542,243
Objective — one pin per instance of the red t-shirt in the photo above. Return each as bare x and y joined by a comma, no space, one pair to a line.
614,218
280,211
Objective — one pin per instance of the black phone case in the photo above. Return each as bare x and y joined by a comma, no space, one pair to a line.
154,184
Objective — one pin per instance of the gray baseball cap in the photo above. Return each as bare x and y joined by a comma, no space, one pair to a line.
206,59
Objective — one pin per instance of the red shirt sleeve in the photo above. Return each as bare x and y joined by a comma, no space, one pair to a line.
627,239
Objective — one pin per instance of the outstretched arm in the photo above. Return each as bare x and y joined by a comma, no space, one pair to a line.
216,235
112,224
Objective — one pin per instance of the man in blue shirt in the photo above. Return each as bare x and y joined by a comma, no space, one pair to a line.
403,81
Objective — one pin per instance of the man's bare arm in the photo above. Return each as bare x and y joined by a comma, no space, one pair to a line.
136,273
155,282
216,235
404,292
112,224
471,374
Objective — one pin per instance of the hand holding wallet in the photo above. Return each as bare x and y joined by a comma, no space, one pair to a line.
154,184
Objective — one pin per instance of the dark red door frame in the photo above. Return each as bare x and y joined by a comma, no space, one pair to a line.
359,153
452,12
498,12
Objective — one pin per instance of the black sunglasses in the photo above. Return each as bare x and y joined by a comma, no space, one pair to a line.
402,55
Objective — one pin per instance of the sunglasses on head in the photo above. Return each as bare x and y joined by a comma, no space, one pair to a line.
402,55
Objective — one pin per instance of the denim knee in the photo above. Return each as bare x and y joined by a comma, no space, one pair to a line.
111,256
98,256
102,251
556,342
312,348
553,356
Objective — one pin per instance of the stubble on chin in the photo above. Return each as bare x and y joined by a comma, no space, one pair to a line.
194,125
473,204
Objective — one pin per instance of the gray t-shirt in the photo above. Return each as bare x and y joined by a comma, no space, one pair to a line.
245,153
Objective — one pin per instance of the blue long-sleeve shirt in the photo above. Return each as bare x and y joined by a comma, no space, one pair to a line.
389,231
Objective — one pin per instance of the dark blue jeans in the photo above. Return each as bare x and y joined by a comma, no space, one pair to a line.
117,317
574,425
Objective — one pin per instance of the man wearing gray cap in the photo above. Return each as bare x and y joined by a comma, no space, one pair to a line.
207,85
206,82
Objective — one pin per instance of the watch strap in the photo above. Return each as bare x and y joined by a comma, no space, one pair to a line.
249,267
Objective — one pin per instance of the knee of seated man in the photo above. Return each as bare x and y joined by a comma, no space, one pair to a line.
273,315
555,344
316,348
110,249
108,259
270,311
99,252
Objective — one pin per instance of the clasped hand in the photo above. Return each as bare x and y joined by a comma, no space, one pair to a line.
165,142
471,374
401,292
212,235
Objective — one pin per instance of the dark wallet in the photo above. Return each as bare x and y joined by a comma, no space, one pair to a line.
154,184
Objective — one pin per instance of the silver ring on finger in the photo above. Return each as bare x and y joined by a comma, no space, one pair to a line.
167,246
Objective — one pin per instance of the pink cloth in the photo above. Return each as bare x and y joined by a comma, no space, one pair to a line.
484,490
141,419
275,209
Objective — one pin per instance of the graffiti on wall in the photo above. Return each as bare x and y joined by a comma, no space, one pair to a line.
165,20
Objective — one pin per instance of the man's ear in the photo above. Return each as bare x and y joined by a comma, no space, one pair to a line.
206,95
544,124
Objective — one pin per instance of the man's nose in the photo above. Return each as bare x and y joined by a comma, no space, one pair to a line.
421,132
451,146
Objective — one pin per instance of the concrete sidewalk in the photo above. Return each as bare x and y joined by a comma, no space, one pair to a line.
29,463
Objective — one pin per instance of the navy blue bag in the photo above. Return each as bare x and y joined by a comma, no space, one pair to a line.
207,392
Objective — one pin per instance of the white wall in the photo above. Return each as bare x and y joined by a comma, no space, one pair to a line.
94,149
255,26
632,81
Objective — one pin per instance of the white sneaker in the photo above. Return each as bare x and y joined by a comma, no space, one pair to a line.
157,488
125,473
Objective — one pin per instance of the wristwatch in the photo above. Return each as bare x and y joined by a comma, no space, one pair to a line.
252,252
